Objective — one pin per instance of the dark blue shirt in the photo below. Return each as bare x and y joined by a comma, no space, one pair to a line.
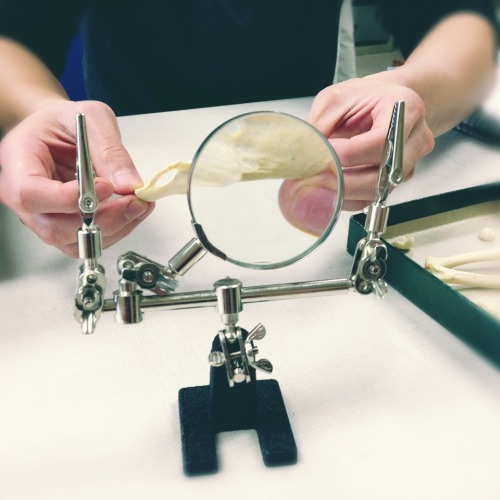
158,55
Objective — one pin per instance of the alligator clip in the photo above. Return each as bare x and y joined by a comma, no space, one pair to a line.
391,165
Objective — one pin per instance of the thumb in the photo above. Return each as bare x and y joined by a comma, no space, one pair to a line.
309,204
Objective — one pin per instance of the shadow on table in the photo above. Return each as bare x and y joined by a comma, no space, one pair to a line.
7,250
22,253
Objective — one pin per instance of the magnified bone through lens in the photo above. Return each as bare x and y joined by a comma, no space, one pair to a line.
243,222
255,146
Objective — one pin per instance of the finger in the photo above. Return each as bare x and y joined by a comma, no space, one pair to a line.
362,156
329,109
309,204
419,143
360,138
310,207
362,149
365,144
117,214
45,196
350,108
115,217
359,182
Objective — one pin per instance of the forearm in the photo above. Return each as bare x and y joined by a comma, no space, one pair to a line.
452,69
26,84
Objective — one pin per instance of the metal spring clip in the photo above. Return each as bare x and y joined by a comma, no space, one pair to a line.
369,264
89,297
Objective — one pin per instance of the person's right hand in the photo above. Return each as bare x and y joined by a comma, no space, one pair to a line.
354,116
37,176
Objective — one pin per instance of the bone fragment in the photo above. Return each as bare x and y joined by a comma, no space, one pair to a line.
175,183
443,268
403,242
487,234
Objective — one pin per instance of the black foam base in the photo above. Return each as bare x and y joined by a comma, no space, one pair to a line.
205,410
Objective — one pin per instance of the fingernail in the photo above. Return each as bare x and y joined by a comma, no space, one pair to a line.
127,179
135,209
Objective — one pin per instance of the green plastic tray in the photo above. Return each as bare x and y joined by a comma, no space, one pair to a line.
477,328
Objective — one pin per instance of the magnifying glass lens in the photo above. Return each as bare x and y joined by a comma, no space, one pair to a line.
243,180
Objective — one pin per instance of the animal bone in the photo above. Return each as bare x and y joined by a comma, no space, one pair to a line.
176,184
443,268
462,258
259,146
466,278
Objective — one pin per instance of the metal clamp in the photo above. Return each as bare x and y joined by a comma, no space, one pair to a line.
89,297
148,274
238,352
370,257
138,273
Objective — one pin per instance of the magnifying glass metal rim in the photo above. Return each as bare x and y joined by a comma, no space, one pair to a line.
205,242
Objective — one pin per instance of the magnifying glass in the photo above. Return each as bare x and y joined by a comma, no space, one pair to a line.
234,184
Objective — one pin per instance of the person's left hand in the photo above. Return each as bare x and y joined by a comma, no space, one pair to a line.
354,116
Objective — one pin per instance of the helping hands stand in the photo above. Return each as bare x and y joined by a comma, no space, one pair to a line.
234,399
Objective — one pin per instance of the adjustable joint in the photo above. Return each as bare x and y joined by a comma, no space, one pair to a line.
239,353
128,303
238,350
377,215
89,297
147,274
369,267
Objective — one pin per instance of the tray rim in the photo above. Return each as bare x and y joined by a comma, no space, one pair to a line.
459,315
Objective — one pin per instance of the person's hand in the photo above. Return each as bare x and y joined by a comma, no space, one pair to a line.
354,116
37,176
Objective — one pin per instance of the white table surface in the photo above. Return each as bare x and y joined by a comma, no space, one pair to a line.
384,403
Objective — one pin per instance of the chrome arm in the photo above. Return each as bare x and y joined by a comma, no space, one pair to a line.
263,293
